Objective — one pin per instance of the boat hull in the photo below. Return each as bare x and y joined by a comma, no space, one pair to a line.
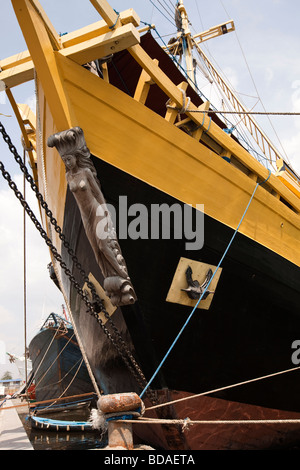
250,326
246,334
58,368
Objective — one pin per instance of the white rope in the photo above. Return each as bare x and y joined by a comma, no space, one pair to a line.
223,388
51,404
186,422
185,103
46,372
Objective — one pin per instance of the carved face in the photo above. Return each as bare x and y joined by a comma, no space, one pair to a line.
69,161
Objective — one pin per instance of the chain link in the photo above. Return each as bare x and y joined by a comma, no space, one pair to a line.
95,307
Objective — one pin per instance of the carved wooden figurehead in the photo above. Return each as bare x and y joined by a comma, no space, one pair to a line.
68,141
82,180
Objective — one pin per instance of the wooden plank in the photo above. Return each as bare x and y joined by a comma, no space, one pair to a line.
171,114
19,68
17,74
143,87
176,295
43,55
54,37
110,308
106,11
211,128
15,60
110,42
224,190
19,110
203,107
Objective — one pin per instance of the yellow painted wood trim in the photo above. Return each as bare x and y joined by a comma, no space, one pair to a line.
106,11
203,107
44,57
84,34
171,114
54,37
143,86
14,60
130,16
17,74
211,128
19,68
195,175
31,153
108,43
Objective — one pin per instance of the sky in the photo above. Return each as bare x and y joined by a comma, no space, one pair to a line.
261,62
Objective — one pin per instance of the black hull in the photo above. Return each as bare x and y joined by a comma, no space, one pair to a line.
247,333
56,360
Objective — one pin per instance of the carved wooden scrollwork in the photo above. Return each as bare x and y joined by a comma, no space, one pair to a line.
83,183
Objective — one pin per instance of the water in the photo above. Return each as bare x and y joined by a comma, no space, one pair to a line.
53,440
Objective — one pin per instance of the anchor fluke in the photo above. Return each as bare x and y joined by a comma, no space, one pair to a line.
195,289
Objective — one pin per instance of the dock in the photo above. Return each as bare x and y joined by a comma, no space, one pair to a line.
12,433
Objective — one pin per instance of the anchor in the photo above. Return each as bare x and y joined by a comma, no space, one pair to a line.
195,289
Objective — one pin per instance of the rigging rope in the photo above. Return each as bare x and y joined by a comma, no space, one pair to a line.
208,284
75,375
254,84
262,113
46,372
24,278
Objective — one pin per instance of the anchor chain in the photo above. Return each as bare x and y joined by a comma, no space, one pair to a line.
95,307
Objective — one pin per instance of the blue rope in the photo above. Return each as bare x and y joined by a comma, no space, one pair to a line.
191,314
112,27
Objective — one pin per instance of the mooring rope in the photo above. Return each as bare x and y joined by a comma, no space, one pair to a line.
227,387
187,421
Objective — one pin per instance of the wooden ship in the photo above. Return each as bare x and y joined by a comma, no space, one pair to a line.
58,368
101,153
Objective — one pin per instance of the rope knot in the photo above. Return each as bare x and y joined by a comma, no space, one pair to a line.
186,423
185,103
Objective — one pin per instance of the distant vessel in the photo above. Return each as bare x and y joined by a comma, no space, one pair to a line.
58,369
113,107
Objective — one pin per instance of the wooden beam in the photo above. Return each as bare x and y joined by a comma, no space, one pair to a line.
106,11
84,34
17,74
171,114
109,43
54,37
211,128
15,60
19,68
18,110
44,58
143,86
203,107
129,16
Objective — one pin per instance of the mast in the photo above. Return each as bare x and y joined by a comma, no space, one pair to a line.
183,29
183,46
